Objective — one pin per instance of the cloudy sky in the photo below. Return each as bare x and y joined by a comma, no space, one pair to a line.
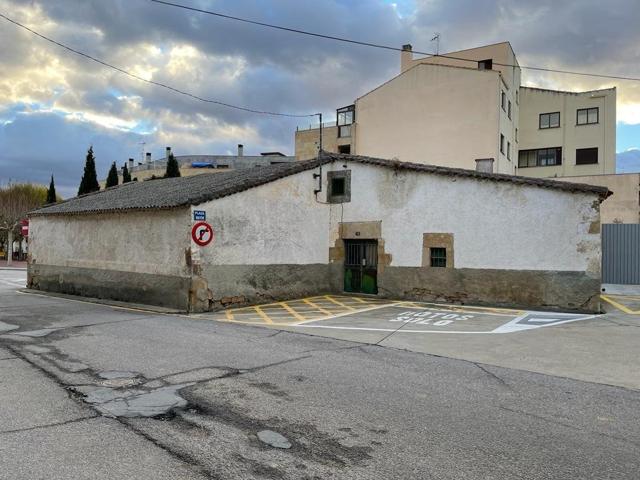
54,104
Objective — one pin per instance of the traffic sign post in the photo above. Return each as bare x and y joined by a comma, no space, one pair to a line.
202,234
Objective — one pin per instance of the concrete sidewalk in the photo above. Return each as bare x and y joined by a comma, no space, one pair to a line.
15,265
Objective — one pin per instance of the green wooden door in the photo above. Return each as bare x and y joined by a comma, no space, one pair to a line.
361,266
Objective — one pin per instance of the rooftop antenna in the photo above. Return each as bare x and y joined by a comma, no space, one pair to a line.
436,38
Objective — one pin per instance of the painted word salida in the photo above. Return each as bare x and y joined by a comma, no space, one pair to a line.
430,318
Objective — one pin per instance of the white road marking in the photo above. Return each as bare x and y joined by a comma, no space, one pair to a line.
521,323
457,310
384,329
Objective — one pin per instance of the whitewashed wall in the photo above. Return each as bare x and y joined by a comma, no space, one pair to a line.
142,242
276,223
495,225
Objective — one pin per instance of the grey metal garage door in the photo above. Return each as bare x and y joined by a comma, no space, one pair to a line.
621,254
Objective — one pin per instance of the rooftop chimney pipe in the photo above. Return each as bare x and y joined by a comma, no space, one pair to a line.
148,159
406,57
240,150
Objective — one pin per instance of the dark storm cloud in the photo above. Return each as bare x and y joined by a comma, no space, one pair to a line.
60,149
255,67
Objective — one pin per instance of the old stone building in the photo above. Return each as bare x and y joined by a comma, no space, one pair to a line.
331,224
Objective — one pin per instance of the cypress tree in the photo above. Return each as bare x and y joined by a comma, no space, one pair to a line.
126,176
112,177
89,182
173,169
51,193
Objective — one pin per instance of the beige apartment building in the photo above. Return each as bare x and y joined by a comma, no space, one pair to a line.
467,109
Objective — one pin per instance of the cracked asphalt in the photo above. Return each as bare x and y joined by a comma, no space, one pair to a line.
103,392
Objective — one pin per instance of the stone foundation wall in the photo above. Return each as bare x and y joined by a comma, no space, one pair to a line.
222,286
536,289
237,285
144,288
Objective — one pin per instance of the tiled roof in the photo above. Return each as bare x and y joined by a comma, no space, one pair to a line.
184,191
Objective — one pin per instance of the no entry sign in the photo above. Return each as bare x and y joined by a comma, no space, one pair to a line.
24,228
202,233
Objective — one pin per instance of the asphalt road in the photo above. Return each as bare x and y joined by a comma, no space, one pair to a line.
92,391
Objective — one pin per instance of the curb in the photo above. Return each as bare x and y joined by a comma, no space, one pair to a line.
100,301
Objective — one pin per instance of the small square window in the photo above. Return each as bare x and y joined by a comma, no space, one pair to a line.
503,101
509,150
509,110
587,116
549,120
337,186
502,143
438,256
485,64
586,156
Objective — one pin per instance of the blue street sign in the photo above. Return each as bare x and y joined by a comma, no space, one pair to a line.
199,215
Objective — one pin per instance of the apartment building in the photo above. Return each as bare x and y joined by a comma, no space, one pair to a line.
565,134
467,109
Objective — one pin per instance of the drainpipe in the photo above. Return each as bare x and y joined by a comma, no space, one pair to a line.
319,175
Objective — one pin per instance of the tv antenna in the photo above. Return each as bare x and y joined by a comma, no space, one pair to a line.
436,38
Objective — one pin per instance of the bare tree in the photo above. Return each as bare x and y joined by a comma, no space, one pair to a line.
15,201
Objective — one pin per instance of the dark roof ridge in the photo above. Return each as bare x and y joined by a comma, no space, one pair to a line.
167,193
451,171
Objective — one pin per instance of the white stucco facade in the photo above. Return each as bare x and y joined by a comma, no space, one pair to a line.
496,225
276,223
152,242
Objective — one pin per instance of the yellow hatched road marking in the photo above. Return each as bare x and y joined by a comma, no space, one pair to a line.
317,307
358,299
264,316
288,308
333,300
619,306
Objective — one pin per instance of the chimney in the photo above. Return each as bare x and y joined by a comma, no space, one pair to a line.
240,150
148,159
168,149
130,164
406,57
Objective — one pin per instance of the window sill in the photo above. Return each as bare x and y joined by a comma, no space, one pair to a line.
586,124
548,128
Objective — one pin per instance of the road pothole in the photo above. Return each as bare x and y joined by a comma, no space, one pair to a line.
134,402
